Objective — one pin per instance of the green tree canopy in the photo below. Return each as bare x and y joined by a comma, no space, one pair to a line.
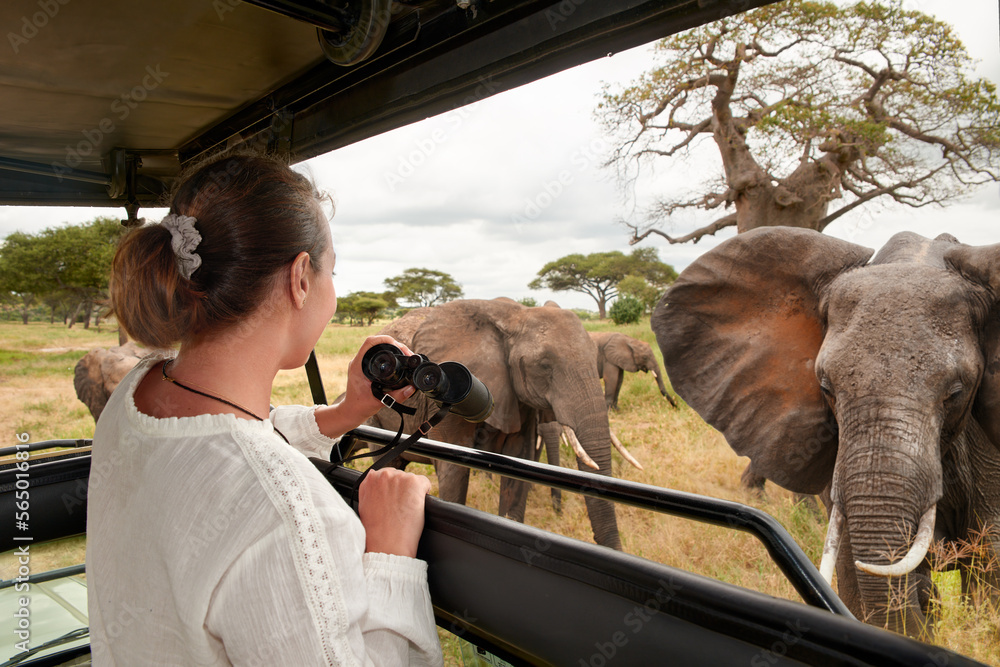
24,270
362,307
814,110
80,260
423,287
599,274
641,290
73,261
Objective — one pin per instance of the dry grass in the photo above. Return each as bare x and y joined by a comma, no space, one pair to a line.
675,447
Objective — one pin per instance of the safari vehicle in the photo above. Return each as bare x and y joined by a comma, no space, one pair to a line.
103,103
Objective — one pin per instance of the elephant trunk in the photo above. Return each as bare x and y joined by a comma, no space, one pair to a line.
587,416
886,483
658,374
898,603
916,554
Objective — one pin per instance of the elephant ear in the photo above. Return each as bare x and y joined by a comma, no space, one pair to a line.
463,331
618,351
981,266
740,330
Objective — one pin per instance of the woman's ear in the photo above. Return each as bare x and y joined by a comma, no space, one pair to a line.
300,279
740,330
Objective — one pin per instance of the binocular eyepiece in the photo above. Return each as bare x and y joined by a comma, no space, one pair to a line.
448,382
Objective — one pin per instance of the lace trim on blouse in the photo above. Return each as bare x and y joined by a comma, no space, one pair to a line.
289,493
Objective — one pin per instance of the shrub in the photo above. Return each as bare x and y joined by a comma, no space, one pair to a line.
626,310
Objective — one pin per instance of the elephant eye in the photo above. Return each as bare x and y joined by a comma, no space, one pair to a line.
824,386
955,392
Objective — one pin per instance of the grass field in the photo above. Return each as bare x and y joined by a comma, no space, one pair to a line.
677,449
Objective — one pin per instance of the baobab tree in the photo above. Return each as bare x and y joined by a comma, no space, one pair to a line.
815,110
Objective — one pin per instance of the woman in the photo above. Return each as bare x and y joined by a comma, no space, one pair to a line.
212,540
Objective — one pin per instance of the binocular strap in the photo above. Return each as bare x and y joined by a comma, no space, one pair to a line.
391,452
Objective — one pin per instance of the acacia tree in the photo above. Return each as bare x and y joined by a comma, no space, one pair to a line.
365,307
79,261
423,287
598,274
24,270
808,103
60,264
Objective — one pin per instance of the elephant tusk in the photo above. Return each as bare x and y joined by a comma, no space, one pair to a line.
916,554
538,443
624,452
578,448
831,547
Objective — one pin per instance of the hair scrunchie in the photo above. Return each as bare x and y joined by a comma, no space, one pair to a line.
184,238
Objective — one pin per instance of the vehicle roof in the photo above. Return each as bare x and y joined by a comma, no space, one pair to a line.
104,103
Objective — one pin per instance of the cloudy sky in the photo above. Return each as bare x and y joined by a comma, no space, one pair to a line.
491,192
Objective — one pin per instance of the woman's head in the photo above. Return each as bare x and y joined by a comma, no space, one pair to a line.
254,215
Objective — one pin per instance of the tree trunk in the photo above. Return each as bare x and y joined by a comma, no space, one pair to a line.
87,310
799,200
72,317
26,302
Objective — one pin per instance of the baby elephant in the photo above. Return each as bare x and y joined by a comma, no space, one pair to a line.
617,353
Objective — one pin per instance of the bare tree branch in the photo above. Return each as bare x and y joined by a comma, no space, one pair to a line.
695,236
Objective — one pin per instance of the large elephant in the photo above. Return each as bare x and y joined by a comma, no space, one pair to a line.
617,353
534,360
878,382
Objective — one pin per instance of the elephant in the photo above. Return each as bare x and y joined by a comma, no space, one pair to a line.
617,353
534,361
876,383
99,371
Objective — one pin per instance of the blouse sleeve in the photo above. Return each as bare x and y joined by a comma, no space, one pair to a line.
298,424
290,598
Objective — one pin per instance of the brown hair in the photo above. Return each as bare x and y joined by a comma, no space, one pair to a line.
254,214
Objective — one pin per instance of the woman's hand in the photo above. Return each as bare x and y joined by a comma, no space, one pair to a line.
359,403
391,507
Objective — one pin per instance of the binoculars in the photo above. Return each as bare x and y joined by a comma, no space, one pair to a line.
448,382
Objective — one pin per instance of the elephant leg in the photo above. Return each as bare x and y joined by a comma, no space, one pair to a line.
980,574
453,482
453,479
751,481
809,501
513,498
514,492
613,377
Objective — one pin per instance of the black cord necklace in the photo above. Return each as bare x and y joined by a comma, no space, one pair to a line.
206,394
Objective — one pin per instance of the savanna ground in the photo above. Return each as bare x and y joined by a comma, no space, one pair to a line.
677,449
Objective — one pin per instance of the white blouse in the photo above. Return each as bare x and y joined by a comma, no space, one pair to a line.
210,541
